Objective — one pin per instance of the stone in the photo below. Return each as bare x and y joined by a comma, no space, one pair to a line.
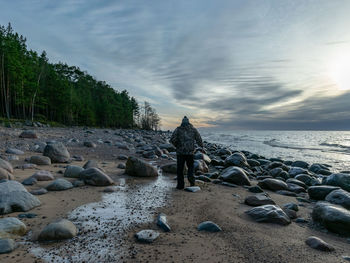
92,164
290,213
15,198
269,214
169,147
300,164
202,156
162,222
294,171
43,175
209,226
200,166
78,158
5,175
6,166
291,206
204,178
57,152
255,189
29,181
339,197
306,179
121,166
296,188
78,183
147,236
273,184
320,192
346,258
27,215
28,134
59,230
340,179
319,244
192,189
27,166
286,193
122,157
228,184
14,151
224,152
90,144
169,168
40,191
297,182
59,185
253,163
109,189
301,220
73,171
235,175
7,245
333,217
140,168
40,160
94,176
236,159
12,226
258,200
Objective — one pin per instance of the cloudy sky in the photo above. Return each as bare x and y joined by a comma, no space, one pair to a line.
227,64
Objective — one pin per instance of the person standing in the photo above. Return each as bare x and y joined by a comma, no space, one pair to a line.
184,138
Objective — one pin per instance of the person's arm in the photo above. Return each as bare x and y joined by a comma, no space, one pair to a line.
173,139
198,138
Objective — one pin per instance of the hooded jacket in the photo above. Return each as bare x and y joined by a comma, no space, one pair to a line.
184,138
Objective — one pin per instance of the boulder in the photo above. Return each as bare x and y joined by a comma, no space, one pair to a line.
236,159
209,226
121,166
14,151
339,197
73,171
294,171
306,179
258,200
29,134
90,144
43,175
40,191
297,182
200,166
340,179
224,152
12,226
140,168
92,164
235,175
94,176
6,166
29,181
273,184
269,214
255,189
291,206
169,147
57,152
318,244
171,168
300,164
192,189
4,174
202,156
40,160
59,230
320,192
59,185
162,222
296,188
7,245
15,198
147,236
333,217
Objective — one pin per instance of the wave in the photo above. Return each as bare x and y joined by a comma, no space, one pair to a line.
275,143
335,145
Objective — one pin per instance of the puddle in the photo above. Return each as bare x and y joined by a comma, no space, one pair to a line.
103,224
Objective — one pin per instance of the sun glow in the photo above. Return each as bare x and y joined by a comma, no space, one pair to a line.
340,72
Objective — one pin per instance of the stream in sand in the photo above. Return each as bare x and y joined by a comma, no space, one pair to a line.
104,225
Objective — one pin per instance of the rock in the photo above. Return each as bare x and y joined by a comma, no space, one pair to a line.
5,175
235,175
229,184
276,171
78,183
90,144
122,157
162,222
73,171
15,198
253,163
40,160
316,167
291,206
169,168
169,147
300,164
224,152
335,218
27,215
40,191
340,179
269,214
12,226
273,184
204,178
255,189
192,189
339,197
27,166
301,220
140,168
43,175
109,189
12,158
7,245
202,156
290,213
294,171
92,164
14,151
59,185
297,182
29,134
318,244
346,258
296,188
6,166
259,199
306,179
286,193
236,159
200,166
57,152
59,230
147,236
209,226
320,192
121,166
29,181
94,176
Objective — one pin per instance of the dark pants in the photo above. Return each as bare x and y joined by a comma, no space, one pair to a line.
181,159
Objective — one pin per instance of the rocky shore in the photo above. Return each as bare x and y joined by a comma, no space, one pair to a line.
74,195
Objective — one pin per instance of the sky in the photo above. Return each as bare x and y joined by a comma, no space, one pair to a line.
226,64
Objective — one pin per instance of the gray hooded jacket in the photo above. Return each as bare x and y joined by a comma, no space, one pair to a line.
184,138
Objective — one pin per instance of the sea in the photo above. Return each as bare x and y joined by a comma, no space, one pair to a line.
327,147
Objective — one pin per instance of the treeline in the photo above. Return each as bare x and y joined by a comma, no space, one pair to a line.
34,89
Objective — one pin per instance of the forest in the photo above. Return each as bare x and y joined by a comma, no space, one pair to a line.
32,88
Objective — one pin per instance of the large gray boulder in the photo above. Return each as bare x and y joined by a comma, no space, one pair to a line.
340,179
258,200
7,245
59,185
57,152
273,184
15,198
294,171
236,159
11,226
235,175
73,171
140,168
59,230
6,166
201,166
320,192
339,197
333,217
301,164
269,214
94,176
40,160
43,175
